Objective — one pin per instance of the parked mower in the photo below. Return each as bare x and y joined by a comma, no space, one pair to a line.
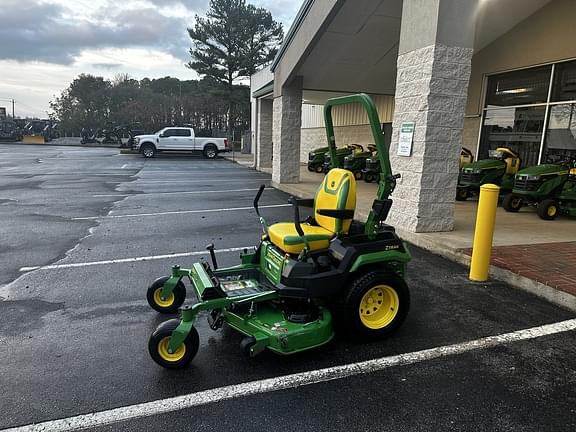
499,169
549,187
287,293
340,154
371,172
356,162
316,159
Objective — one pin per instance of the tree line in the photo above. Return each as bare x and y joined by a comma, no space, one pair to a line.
229,44
93,102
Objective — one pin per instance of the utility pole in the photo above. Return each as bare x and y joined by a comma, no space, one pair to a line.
13,110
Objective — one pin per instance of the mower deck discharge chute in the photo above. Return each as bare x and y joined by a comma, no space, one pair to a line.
288,294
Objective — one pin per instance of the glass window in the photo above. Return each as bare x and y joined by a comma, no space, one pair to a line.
564,88
560,140
184,132
519,87
520,129
170,133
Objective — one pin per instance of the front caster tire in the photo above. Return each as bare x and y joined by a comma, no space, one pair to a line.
461,194
512,203
319,169
358,175
182,356
375,305
368,178
548,209
172,302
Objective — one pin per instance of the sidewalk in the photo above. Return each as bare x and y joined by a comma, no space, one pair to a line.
529,253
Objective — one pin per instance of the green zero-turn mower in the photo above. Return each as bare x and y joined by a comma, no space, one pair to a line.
316,159
371,171
549,187
339,156
356,162
499,169
287,294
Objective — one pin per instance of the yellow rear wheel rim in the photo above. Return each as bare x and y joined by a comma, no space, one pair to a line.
551,210
378,307
163,303
166,356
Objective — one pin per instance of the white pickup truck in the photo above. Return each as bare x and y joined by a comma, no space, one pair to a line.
179,139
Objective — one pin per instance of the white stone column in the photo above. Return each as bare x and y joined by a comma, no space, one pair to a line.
286,123
431,90
264,134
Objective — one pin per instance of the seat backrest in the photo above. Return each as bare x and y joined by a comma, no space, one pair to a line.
337,192
512,165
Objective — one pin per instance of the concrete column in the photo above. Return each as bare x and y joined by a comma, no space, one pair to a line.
434,65
264,134
287,121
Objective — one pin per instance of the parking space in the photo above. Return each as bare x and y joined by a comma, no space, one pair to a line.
86,230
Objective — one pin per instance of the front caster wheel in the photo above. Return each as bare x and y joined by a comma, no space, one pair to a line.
368,178
172,302
375,305
160,340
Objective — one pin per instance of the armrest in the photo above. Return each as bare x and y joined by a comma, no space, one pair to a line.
307,202
336,214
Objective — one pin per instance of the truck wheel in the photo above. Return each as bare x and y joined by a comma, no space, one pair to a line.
182,356
512,203
548,209
210,151
375,305
461,194
148,151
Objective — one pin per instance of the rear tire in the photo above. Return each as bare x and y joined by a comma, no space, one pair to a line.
512,203
172,303
375,305
210,151
548,209
148,151
158,346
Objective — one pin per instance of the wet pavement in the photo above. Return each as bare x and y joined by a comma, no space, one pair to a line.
73,335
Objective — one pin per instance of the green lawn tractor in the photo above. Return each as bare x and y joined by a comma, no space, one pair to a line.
316,159
549,187
304,278
499,169
356,162
371,171
339,155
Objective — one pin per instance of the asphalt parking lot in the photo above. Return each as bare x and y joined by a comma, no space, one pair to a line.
83,233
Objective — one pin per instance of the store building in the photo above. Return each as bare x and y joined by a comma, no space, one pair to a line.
474,73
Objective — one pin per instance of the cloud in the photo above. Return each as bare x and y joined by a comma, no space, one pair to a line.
106,66
35,31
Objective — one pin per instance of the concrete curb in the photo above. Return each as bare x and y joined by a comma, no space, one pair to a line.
557,297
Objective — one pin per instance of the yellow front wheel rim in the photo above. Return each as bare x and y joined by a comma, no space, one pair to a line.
166,356
378,307
551,211
163,303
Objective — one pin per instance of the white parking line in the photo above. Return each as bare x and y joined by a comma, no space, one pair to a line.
180,192
178,403
129,260
135,215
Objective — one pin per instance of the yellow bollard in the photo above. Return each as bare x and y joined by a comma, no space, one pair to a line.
484,232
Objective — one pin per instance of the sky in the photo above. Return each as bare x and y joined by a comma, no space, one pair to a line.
45,44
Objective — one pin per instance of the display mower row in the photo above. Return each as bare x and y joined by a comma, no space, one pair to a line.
551,187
